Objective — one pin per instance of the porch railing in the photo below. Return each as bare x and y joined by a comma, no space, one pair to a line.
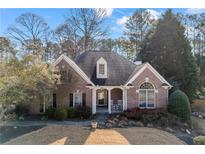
116,105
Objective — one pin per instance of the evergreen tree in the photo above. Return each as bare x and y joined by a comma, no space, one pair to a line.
169,51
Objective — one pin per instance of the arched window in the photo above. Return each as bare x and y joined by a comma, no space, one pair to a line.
146,96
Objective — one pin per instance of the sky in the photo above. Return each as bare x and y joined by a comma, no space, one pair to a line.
115,18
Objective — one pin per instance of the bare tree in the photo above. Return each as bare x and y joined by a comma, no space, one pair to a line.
87,24
7,49
31,31
137,27
68,39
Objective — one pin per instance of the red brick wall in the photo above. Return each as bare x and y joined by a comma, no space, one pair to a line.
160,97
77,83
116,94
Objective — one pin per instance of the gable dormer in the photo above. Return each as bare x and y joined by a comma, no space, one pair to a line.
101,67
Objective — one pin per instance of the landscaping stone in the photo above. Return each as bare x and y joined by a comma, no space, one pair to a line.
124,118
199,114
132,123
108,125
169,130
21,118
111,121
185,137
183,130
120,125
188,132
116,120
149,125
186,125
123,122
139,124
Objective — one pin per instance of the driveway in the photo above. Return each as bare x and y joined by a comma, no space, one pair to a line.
65,134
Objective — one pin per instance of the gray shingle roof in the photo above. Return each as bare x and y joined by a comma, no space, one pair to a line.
119,68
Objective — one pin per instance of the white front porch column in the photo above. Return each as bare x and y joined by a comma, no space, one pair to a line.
124,99
109,101
93,101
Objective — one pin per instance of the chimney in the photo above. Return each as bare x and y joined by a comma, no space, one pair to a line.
138,62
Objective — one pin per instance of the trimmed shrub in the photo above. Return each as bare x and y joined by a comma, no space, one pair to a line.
60,114
199,140
50,112
21,110
179,105
71,112
83,112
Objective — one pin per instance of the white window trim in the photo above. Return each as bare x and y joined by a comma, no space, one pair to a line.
101,61
146,91
74,94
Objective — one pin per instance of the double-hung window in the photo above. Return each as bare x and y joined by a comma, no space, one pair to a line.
77,99
101,69
146,96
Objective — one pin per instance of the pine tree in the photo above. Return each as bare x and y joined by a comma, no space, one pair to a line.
169,51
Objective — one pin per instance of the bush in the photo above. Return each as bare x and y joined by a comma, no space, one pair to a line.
138,114
156,116
179,105
83,112
50,112
71,112
21,110
9,117
199,140
60,114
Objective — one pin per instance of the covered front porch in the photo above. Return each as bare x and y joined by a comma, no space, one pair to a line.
109,99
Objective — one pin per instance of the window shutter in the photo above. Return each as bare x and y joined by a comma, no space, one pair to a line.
71,100
84,99
54,100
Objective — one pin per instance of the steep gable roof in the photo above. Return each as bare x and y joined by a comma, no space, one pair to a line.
74,66
119,69
140,68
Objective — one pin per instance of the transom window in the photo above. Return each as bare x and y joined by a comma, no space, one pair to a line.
146,96
146,85
101,69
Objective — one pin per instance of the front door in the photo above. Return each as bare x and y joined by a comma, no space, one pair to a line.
102,97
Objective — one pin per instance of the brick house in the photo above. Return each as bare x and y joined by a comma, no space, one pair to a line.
109,83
